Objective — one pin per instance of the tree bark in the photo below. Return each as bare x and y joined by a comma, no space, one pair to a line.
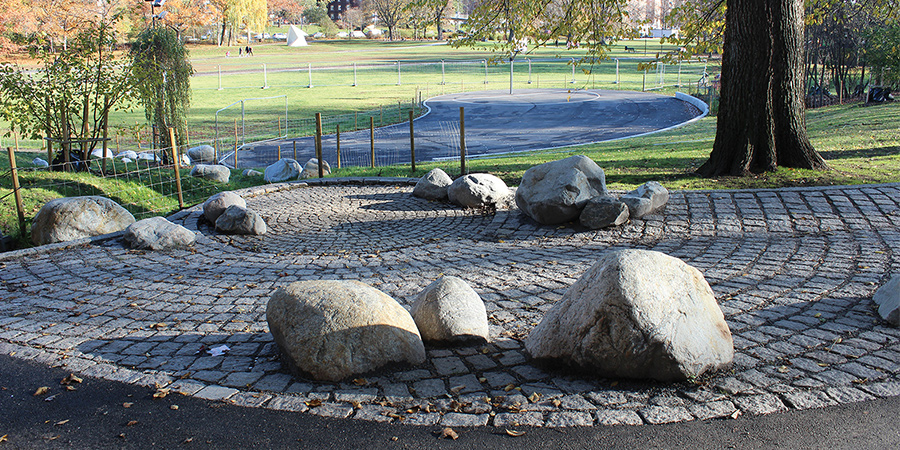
761,122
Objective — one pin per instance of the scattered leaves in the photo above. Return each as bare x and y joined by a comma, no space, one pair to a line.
534,397
448,433
4,438
161,393
71,378
509,387
41,391
131,423
515,433
173,407
735,414
127,404
313,403
360,382
62,422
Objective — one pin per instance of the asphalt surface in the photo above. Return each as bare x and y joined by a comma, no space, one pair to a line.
95,416
495,122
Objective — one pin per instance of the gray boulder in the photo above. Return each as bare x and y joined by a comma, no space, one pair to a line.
66,219
433,186
647,198
887,298
636,314
332,330
477,190
555,192
38,162
157,233
130,154
450,311
311,169
602,212
202,154
217,172
240,220
216,204
282,170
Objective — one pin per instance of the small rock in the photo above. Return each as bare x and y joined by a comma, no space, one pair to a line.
148,156
433,186
602,212
202,154
887,298
240,220
216,204
477,190
251,173
157,233
97,153
647,198
282,170
556,192
450,311
311,169
38,162
636,314
332,330
217,173
128,154
67,219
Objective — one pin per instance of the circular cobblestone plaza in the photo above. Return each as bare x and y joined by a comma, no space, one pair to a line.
792,269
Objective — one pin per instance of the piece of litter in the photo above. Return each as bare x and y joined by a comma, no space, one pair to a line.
218,351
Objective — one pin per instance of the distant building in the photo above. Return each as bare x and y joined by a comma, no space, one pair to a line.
337,8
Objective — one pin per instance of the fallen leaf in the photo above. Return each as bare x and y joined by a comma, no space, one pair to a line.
735,414
173,407
127,404
360,382
534,397
162,393
53,438
509,387
394,438
50,398
70,388
188,440
4,438
41,391
71,378
62,422
131,423
783,369
448,433
515,433
313,403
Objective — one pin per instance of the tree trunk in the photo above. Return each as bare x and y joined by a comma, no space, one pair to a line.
761,121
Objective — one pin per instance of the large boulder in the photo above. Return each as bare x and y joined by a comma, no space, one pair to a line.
282,170
555,192
212,172
66,219
433,186
240,220
332,330
217,203
450,311
887,298
202,154
311,169
477,190
157,233
636,314
647,198
602,212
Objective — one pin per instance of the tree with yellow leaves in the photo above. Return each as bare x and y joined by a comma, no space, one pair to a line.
239,15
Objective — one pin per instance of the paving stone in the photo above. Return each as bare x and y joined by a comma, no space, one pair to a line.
333,410
665,414
618,417
464,420
712,410
569,419
526,419
847,394
759,404
215,393
249,399
807,399
376,413
287,403
421,418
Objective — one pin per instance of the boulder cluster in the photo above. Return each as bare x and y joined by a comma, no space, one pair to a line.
230,215
477,190
574,188
286,169
333,330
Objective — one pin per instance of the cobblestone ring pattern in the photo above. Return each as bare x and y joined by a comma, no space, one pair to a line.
793,270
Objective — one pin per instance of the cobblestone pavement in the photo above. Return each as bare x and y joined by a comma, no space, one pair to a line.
793,271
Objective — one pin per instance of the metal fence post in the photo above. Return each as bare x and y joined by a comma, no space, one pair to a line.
265,77
177,167
462,141
220,76
412,144
309,67
354,73
398,73
442,73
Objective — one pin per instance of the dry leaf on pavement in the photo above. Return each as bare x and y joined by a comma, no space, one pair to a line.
515,433
448,433
41,391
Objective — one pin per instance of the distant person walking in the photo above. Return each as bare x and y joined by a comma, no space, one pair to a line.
249,51
239,51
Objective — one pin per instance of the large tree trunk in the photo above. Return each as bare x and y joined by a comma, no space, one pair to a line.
761,121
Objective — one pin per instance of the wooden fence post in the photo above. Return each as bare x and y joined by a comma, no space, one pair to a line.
462,141
20,208
319,145
337,137
412,144
372,139
177,167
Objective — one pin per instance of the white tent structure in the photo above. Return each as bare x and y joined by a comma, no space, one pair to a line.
296,37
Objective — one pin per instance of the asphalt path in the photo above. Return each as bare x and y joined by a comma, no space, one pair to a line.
106,414
495,122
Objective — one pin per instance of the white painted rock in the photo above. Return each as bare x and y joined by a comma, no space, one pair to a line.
450,311
66,219
130,154
240,220
887,298
216,204
647,198
157,233
332,330
477,190
282,170
97,153
556,192
433,186
603,212
38,162
311,169
636,314
217,172
202,154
